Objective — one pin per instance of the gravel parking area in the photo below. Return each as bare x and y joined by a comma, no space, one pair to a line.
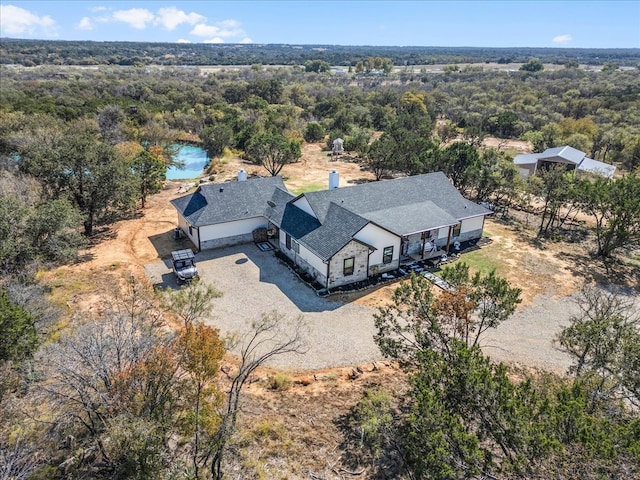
253,282
526,339
341,334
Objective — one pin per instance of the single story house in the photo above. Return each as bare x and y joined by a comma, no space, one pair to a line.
571,157
340,235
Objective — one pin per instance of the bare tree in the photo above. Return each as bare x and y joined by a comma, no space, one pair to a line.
82,367
18,460
269,337
110,121
604,341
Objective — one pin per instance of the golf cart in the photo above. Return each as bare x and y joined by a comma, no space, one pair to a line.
184,265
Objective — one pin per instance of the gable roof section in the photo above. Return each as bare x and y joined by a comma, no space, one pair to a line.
565,154
338,229
400,205
276,206
296,222
413,218
226,202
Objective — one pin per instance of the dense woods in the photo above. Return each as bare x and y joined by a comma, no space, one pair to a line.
123,392
36,52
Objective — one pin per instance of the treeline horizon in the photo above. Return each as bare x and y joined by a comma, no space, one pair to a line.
86,52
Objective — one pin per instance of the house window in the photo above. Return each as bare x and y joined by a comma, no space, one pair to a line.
348,266
288,242
295,246
456,230
190,230
387,254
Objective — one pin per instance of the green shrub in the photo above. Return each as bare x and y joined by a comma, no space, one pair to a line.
280,382
373,417
314,132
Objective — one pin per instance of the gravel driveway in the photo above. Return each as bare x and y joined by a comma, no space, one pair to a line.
341,334
253,282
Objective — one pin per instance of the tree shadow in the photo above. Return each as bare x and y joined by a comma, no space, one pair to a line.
359,181
166,242
603,272
161,276
528,235
86,256
102,234
381,463
168,282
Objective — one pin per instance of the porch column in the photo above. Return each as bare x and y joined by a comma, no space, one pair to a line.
448,240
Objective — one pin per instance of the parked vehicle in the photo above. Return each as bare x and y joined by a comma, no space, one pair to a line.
184,265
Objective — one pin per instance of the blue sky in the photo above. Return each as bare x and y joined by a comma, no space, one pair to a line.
577,24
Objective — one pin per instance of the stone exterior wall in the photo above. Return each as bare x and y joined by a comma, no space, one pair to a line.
383,267
227,241
463,237
320,277
360,270
472,235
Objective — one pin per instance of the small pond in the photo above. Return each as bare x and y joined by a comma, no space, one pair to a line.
194,159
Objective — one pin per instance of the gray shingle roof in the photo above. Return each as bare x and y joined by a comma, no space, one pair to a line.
413,218
402,206
399,205
225,202
337,229
277,204
297,222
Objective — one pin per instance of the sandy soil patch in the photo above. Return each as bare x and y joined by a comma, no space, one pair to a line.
311,172
508,145
132,243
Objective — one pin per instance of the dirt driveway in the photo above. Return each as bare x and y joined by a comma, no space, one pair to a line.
340,333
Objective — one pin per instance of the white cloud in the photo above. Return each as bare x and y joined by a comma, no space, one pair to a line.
15,21
246,40
98,9
225,29
214,40
229,23
136,17
183,40
171,17
85,24
202,30
566,38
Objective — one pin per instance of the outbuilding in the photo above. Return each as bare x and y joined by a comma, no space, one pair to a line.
572,158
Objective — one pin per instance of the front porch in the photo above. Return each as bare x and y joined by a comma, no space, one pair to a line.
433,259
430,244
